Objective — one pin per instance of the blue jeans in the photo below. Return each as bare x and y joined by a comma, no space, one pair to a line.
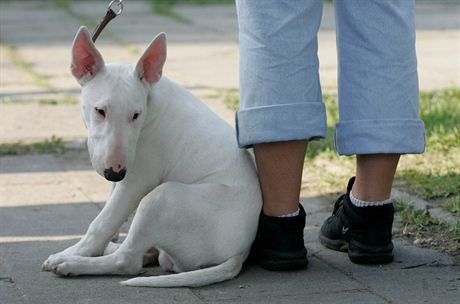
378,85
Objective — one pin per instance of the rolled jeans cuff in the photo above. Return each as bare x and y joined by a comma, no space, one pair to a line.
405,136
283,122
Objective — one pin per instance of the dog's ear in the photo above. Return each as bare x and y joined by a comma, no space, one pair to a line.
86,59
150,66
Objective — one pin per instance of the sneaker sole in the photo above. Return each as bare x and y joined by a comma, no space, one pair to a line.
284,265
276,261
363,254
337,245
359,253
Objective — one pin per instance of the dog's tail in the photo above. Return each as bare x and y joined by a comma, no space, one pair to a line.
222,272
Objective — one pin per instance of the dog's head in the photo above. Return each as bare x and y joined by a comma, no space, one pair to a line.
114,101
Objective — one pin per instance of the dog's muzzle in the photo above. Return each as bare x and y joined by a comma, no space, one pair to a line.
113,176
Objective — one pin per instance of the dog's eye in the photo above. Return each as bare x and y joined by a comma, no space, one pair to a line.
100,111
136,115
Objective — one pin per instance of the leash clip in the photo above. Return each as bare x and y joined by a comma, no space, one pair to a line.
111,14
119,3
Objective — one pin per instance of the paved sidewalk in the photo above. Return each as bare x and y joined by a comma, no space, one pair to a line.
203,55
47,201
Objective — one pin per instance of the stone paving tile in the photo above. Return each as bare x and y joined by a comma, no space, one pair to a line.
340,297
27,234
413,269
255,284
63,220
12,78
60,195
35,122
420,285
193,59
25,259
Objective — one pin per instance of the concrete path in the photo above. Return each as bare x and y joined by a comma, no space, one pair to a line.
203,55
47,201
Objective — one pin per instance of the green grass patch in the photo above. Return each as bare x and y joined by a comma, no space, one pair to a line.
65,6
164,7
420,219
54,145
418,223
66,99
432,185
231,99
455,230
62,99
11,52
326,147
434,174
440,111
453,205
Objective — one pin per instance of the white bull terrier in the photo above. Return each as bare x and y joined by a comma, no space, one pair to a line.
197,194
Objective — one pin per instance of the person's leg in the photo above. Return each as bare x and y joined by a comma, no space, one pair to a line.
379,120
374,176
280,109
280,167
378,82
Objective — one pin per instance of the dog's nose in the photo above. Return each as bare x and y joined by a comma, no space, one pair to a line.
114,176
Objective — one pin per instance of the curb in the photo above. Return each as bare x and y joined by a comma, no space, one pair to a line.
437,213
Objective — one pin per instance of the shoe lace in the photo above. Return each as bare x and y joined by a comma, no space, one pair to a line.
339,201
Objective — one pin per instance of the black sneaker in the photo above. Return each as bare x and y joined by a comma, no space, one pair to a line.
365,232
279,243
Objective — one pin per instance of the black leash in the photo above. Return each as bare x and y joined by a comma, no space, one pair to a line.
109,16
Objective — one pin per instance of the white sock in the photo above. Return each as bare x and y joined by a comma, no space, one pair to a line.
292,214
359,203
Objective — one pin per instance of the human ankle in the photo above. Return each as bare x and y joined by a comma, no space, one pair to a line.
280,210
370,192
374,203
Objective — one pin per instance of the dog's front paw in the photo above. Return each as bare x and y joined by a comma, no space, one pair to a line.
53,261
77,250
62,265
65,269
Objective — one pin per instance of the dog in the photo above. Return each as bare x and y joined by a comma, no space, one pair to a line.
196,194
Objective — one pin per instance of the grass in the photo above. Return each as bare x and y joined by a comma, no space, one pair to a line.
231,99
38,79
54,145
66,98
326,147
440,111
65,6
164,7
434,175
430,184
453,205
418,223
420,219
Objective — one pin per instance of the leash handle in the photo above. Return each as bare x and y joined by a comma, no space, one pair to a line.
109,16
